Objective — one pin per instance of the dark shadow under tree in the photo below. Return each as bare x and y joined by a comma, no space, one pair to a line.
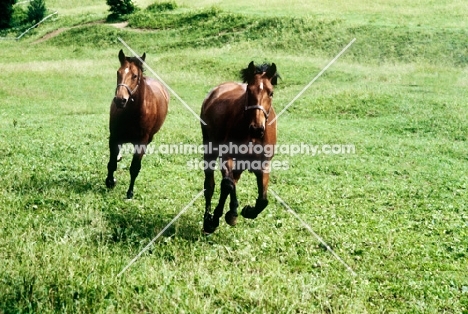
6,11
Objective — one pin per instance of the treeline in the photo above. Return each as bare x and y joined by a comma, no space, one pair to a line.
13,14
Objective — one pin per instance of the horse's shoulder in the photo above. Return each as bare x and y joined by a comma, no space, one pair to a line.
151,82
156,86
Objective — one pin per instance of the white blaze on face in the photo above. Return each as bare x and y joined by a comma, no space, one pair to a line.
261,86
127,70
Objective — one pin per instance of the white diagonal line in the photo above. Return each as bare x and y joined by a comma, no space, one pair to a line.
160,233
161,80
313,233
313,80
48,16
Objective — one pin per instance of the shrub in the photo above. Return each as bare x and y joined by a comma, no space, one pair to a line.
161,7
120,8
36,11
19,17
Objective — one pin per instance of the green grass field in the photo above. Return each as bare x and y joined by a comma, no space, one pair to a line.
395,210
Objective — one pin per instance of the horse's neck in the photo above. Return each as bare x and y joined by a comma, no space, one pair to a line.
139,97
239,123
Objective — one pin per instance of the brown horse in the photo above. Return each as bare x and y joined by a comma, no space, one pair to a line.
237,131
137,112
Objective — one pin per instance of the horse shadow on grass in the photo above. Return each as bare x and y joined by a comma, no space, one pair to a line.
52,191
134,221
130,222
58,182
139,220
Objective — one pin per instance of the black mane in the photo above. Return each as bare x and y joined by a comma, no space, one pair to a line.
248,73
137,62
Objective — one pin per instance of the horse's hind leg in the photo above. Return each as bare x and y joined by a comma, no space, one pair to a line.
209,186
262,183
112,164
134,171
211,222
231,215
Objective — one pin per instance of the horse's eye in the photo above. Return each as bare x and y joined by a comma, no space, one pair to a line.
134,76
271,94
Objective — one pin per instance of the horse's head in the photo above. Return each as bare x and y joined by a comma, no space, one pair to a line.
128,78
260,80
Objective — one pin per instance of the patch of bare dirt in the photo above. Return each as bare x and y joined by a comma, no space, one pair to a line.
51,34
120,25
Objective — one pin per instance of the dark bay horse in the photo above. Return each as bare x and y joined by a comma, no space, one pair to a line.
238,132
137,112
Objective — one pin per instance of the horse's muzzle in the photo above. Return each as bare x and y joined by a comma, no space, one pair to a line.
256,131
120,102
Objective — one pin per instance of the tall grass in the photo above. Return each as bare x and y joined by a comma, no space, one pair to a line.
395,210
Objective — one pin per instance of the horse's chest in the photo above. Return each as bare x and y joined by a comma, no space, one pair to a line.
131,128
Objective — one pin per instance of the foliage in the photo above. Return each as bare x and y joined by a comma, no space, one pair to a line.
120,9
6,11
19,17
161,7
36,11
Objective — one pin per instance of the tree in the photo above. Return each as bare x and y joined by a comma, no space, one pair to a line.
6,10
120,8
36,11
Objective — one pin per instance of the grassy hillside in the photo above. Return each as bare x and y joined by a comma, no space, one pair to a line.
395,210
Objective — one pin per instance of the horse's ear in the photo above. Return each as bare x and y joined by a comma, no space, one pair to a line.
252,68
248,73
143,56
121,56
271,74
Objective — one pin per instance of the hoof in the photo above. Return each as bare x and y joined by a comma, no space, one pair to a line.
249,212
231,218
129,195
206,233
207,230
110,182
209,225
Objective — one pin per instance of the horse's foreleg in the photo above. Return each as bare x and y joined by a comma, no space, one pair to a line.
112,164
134,171
248,211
